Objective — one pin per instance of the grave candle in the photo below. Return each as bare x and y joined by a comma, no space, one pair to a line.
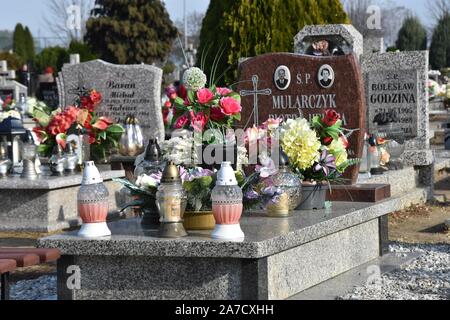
227,205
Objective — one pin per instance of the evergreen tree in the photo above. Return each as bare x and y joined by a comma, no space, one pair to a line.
440,44
53,57
82,49
29,45
19,46
412,35
129,32
245,28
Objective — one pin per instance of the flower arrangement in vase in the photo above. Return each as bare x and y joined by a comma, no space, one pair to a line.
318,152
53,126
201,108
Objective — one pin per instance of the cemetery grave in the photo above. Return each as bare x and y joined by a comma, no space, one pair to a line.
320,173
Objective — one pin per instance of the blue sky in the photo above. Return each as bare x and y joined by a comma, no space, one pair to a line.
31,12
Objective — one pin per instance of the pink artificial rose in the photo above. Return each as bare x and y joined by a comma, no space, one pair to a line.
223,91
272,124
198,121
230,106
204,95
217,114
181,122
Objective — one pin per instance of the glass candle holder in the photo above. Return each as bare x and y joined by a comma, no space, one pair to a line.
171,201
227,205
92,200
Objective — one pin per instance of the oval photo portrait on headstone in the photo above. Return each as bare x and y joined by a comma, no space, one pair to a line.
282,78
326,76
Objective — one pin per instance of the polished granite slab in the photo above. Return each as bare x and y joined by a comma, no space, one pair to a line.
264,236
48,182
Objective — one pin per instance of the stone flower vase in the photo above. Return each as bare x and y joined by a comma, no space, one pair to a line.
314,196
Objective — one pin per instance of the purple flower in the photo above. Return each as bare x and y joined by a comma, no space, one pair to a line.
170,90
267,167
251,195
326,163
196,173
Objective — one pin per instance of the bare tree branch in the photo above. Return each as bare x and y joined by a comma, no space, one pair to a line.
58,15
438,9
392,17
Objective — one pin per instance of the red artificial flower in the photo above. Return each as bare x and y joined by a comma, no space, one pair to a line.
230,106
86,103
41,135
327,141
330,118
182,92
92,138
181,122
204,96
217,114
96,97
223,91
199,120
49,70
87,123
102,123
167,104
344,141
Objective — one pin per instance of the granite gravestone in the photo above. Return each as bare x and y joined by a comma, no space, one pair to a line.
48,93
288,86
396,96
392,102
8,86
344,36
126,89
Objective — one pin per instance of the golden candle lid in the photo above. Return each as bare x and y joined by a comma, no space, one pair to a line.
171,173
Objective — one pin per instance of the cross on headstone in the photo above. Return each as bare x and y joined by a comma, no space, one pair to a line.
79,91
255,92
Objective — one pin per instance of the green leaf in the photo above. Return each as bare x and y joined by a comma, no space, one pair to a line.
115,129
45,149
179,101
191,96
102,135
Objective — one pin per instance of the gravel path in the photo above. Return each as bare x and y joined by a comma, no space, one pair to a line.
426,278
42,288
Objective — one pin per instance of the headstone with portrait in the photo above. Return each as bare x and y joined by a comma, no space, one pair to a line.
126,89
288,86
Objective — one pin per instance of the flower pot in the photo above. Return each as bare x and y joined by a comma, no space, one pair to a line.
314,197
202,220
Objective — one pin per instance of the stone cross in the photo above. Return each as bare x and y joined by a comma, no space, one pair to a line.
255,92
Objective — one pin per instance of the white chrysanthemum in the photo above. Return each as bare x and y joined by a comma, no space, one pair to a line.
300,143
194,79
179,150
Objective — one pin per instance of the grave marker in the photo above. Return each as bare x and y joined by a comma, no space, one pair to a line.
126,89
396,96
284,85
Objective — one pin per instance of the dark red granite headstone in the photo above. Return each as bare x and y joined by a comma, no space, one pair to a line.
291,85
